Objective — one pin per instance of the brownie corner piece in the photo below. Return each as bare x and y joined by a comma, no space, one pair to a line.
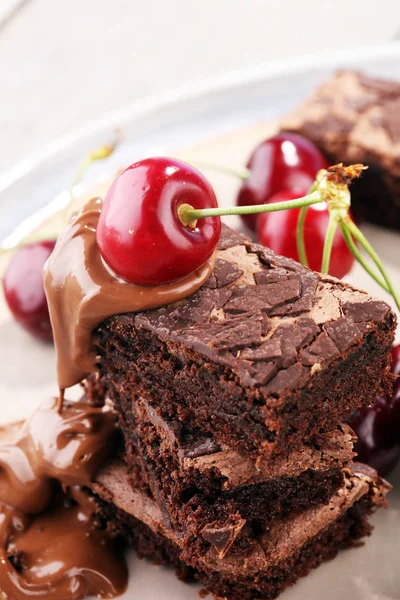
353,118
265,355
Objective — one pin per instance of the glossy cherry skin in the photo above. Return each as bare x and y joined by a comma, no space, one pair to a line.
286,161
396,360
140,234
23,289
377,445
395,414
378,427
277,230
395,401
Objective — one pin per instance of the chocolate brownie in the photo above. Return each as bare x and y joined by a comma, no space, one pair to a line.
265,356
353,118
290,548
201,486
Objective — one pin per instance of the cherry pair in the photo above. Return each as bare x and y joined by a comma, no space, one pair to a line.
281,168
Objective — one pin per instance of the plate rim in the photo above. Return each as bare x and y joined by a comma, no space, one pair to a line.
233,79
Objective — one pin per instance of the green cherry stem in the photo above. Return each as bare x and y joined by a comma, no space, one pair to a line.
364,243
352,246
301,245
97,154
240,173
188,214
329,237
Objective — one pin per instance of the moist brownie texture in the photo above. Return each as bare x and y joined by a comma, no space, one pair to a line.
202,487
290,547
353,118
265,356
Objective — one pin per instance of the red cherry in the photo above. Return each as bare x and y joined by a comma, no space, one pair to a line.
378,444
282,162
140,234
396,360
277,230
395,413
23,289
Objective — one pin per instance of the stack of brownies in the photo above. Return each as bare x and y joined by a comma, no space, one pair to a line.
237,466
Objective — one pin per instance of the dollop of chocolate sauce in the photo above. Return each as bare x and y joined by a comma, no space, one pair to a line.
82,291
50,544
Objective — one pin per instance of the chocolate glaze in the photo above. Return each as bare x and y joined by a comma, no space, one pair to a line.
82,291
50,546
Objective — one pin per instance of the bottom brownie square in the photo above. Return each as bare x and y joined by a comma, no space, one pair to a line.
287,550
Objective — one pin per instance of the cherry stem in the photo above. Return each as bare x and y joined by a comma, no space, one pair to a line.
301,246
188,214
362,240
240,173
359,257
329,237
98,154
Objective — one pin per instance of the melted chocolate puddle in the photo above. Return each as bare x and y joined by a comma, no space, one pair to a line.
50,544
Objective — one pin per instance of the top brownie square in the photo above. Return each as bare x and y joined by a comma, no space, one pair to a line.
266,355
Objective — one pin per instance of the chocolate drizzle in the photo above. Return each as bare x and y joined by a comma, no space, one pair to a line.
82,291
50,544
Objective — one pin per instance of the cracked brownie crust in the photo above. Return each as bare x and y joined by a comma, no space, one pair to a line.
266,355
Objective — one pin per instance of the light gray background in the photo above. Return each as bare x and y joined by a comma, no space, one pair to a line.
63,62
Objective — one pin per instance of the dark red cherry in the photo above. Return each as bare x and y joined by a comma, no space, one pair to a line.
396,360
282,162
140,234
395,401
23,289
378,444
277,230
395,412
